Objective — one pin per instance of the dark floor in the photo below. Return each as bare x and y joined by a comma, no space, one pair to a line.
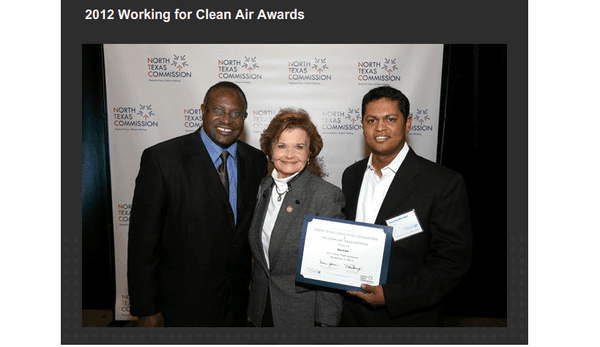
104,318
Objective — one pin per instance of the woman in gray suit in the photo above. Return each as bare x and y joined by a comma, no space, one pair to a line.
291,191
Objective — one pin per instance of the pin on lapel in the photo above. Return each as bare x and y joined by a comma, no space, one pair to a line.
289,209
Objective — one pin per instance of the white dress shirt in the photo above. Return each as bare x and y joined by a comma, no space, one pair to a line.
374,188
281,184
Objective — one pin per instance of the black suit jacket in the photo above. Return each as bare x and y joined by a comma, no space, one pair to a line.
186,256
423,267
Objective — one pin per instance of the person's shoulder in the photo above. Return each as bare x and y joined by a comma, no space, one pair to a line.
247,149
358,165
265,182
320,184
433,169
170,144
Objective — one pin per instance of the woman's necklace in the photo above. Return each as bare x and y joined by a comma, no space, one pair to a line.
280,194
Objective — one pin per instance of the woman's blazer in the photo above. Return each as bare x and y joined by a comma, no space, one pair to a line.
293,304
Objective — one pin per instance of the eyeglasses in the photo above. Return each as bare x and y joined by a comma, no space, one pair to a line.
233,114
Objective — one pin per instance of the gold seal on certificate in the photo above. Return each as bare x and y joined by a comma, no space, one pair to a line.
343,254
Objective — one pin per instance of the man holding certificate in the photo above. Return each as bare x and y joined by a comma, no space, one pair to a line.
425,203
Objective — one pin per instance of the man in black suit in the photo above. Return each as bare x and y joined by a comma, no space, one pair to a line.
395,182
188,256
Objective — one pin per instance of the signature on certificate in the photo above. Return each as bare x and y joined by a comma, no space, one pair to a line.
352,267
330,264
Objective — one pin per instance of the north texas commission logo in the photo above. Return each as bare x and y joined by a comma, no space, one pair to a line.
134,117
123,211
168,67
192,118
347,121
420,122
308,70
378,71
125,303
261,119
321,162
238,69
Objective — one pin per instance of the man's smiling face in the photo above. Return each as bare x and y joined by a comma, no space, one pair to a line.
223,116
385,127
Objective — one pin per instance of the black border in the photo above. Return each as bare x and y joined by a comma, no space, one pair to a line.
434,21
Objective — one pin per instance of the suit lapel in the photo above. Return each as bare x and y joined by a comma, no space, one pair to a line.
290,208
260,212
353,191
401,187
201,164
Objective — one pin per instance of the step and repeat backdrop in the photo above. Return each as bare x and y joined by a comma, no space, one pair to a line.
154,93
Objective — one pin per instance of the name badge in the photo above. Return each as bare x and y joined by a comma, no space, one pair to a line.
404,225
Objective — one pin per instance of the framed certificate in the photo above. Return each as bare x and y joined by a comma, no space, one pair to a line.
343,254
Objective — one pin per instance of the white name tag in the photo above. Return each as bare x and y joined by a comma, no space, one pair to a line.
404,225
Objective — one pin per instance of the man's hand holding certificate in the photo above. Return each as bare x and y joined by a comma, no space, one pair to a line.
343,254
374,295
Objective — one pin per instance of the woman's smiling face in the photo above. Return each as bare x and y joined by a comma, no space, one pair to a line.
290,152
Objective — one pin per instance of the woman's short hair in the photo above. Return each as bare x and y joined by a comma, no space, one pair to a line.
291,118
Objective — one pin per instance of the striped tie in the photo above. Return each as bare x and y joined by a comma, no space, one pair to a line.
222,170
